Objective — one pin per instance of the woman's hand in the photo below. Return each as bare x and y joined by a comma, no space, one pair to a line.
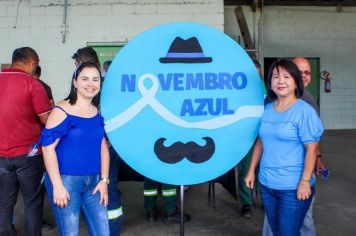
303,191
250,180
102,187
319,166
60,196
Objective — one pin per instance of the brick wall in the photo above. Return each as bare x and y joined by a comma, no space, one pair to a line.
313,32
38,24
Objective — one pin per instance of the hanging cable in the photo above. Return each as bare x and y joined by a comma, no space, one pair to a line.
17,14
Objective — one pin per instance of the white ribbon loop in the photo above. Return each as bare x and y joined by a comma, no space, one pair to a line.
148,98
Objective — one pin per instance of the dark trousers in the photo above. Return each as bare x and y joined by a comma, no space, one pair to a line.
25,174
151,192
114,207
244,192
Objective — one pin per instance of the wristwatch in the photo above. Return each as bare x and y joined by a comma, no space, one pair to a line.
105,180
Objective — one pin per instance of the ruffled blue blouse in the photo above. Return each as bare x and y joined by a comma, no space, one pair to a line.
79,148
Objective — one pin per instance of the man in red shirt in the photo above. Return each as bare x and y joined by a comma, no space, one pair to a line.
24,108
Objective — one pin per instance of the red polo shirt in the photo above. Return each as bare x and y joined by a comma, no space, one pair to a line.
22,99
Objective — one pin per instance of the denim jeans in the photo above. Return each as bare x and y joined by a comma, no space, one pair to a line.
23,173
284,211
82,200
308,228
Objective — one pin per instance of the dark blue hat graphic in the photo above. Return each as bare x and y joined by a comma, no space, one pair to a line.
185,51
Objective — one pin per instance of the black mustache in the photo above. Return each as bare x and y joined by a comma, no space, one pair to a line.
178,151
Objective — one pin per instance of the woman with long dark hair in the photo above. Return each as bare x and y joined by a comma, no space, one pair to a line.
286,151
76,156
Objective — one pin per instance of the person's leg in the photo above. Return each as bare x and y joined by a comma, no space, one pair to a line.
46,225
244,192
95,214
8,196
67,219
266,230
291,212
308,228
150,196
270,201
30,176
114,206
169,193
171,211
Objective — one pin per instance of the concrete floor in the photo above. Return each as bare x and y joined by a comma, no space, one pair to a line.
334,210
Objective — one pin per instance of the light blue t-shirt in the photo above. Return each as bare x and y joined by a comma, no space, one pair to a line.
283,135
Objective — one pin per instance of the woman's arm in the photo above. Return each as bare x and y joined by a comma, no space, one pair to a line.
102,186
60,194
255,160
304,191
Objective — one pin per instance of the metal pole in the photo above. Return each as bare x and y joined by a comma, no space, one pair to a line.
64,23
182,210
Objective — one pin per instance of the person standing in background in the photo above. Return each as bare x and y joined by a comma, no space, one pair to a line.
114,208
24,109
244,192
37,74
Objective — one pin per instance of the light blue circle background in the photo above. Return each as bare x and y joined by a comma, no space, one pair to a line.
135,140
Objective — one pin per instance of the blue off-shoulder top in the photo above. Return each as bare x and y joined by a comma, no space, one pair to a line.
79,148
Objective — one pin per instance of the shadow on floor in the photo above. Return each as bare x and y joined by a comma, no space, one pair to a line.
334,209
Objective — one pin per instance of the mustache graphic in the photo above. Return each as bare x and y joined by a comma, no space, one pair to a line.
178,151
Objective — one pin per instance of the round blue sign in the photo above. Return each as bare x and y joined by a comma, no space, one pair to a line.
181,103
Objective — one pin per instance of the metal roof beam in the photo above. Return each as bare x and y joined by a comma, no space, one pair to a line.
322,3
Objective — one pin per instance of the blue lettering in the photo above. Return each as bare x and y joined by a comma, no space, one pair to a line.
165,84
221,106
194,82
205,106
187,107
211,81
217,109
202,104
225,80
178,81
189,81
239,80
225,108
128,83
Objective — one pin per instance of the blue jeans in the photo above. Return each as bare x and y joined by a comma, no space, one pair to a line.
308,228
25,174
284,211
80,189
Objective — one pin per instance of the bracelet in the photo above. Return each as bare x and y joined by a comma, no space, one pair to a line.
318,156
105,180
305,179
